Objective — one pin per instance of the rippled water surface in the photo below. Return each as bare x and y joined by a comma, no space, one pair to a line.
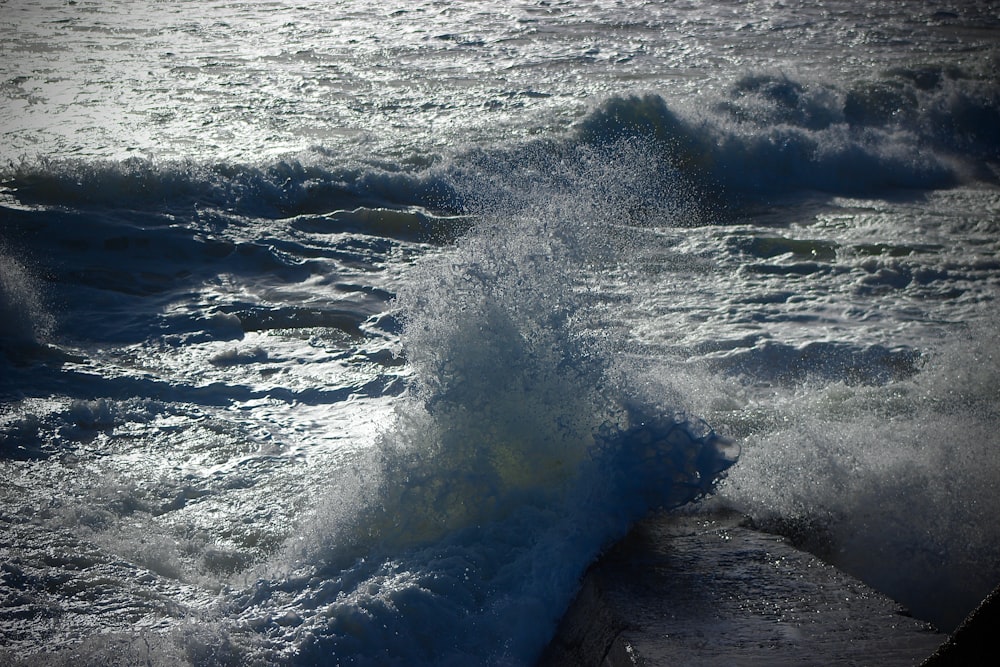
340,334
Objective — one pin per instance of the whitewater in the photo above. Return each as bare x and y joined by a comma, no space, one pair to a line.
345,333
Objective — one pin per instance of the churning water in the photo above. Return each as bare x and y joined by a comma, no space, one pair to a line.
346,334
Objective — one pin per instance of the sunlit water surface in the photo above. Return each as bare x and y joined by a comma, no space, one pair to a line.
340,334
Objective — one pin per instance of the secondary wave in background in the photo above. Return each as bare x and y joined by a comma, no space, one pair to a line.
527,439
927,126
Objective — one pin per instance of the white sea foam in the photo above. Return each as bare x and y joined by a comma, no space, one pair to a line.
24,318
601,223
520,452
894,482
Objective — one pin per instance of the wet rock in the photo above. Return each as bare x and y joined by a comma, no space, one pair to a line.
973,644
704,589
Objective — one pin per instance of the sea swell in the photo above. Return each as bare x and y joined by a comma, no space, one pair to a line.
771,135
764,135
532,431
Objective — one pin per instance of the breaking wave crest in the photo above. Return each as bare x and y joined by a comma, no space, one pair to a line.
523,448
922,127
766,134
21,308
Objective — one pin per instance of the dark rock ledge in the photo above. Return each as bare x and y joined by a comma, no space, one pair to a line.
974,642
688,589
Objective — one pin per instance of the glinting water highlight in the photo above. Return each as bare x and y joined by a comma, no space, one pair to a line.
349,334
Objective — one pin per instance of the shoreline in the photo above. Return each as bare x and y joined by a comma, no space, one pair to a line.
704,588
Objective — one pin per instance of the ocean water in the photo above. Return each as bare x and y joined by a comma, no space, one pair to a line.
337,333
